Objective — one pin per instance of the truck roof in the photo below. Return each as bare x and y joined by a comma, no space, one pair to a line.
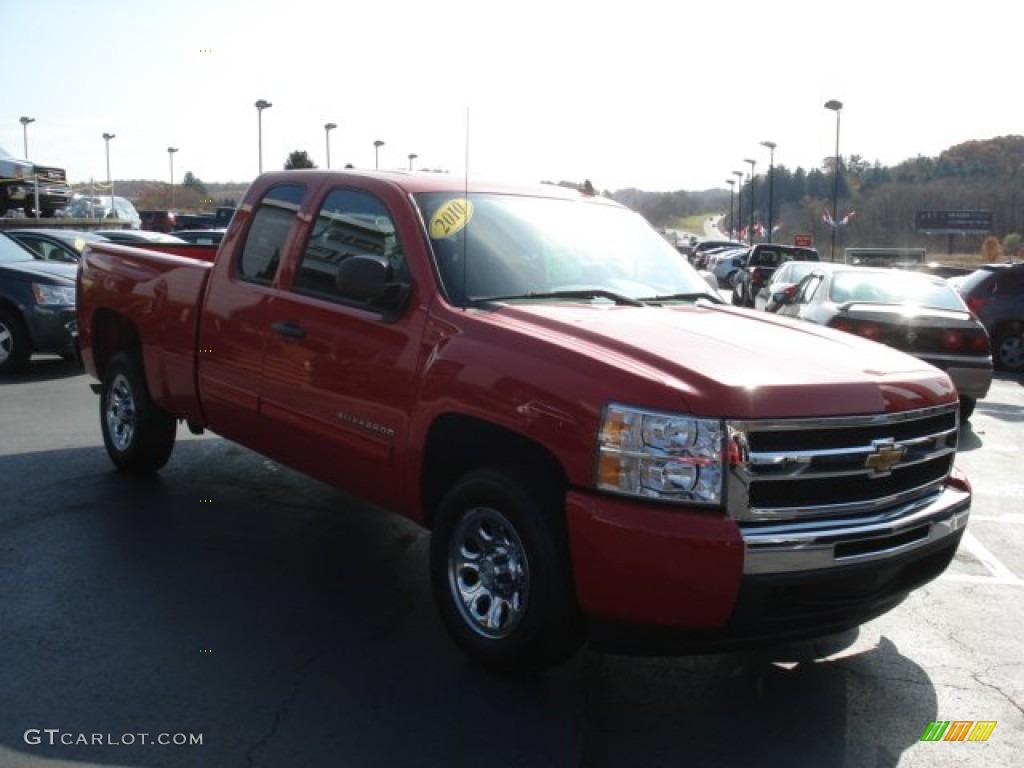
415,182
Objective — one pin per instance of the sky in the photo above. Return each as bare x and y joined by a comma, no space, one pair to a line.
645,94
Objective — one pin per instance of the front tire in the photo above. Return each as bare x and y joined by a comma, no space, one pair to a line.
967,405
499,565
138,435
15,347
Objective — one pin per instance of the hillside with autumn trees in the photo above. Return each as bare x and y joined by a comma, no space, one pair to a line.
879,203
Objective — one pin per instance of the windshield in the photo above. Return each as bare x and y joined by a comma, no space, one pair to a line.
510,246
12,251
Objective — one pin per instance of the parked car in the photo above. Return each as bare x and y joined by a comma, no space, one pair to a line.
37,306
726,263
698,254
216,220
101,207
995,293
203,236
56,244
919,314
761,264
133,236
783,283
158,221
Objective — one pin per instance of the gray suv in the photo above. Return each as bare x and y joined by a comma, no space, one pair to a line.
995,293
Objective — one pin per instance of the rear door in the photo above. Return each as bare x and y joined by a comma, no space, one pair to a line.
238,315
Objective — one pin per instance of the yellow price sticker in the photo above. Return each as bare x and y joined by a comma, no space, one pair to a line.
450,218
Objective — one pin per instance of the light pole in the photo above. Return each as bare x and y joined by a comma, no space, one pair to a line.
260,106
732,190
412,156
376,152
750,234
837,107
110,182
35,177
24,130
771,182
328,127
739,204
170,154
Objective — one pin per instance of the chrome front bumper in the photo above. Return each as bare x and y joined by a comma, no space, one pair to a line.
823,543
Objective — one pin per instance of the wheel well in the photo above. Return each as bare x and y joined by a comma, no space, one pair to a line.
16,311
1007,326
458,444
111,333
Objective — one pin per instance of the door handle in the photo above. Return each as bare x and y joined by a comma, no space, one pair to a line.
290,330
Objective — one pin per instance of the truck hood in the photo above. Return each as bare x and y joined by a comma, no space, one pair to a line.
738,363
37,267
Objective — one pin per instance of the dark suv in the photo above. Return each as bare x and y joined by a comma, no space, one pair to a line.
761,263
995,293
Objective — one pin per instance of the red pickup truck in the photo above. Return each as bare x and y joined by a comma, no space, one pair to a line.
603,449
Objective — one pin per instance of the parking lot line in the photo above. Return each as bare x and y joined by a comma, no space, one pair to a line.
1000,573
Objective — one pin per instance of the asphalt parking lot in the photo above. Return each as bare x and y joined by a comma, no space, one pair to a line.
233,602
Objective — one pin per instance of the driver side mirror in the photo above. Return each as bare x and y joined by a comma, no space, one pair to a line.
787,296
369,280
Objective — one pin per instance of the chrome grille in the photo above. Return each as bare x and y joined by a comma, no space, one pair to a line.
847,466
51,174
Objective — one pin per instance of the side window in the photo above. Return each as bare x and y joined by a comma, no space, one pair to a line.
350,223
271,223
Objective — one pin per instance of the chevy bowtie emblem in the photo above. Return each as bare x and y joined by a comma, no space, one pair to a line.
885,455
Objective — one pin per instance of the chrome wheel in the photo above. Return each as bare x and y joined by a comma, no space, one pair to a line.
120,414
1010,351
488,573
6,343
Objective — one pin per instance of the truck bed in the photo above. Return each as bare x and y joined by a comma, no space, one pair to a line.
157,293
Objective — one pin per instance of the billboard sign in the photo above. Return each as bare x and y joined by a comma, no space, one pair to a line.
953,222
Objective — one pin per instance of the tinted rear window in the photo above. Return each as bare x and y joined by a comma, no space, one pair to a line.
978,281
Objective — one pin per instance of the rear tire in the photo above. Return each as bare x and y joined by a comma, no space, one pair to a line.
138,435
15,347
1008,349
499,566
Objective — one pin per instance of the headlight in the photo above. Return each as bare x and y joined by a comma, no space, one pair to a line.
54,295
667,456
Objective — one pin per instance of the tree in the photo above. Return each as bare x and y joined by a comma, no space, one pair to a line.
193,182
991,250
298,159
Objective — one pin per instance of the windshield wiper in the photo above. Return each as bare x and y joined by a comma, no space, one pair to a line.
681,297
583,293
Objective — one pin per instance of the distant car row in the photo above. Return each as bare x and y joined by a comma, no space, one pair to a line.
965,321
67,244
37,287
186,225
